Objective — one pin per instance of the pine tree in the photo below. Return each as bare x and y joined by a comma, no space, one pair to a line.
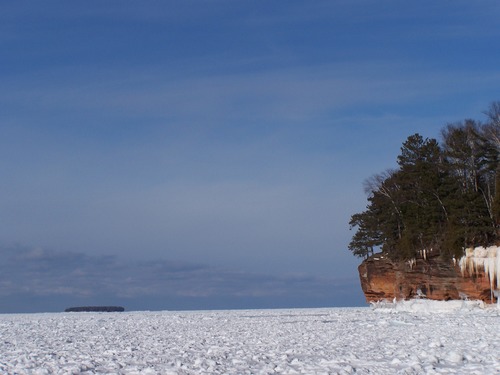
444,198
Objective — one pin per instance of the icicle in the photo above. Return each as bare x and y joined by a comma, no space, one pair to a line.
483,259
423,254
412,262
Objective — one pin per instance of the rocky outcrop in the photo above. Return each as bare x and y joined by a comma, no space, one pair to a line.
428,276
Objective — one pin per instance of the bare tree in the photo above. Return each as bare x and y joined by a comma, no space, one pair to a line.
492,128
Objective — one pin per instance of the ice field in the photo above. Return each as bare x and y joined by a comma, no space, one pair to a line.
411,338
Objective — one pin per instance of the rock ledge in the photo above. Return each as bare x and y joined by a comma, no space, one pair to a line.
431,277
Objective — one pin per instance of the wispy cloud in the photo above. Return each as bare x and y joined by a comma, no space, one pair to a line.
291,95
43,273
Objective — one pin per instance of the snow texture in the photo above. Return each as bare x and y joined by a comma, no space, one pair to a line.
415,337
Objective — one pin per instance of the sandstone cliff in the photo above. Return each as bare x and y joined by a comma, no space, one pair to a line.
431,276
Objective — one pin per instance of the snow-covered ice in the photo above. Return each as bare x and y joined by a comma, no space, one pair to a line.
389,339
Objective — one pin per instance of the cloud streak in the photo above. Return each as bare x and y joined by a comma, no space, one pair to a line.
38,273
287,95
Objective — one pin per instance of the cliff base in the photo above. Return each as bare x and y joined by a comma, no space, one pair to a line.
433,278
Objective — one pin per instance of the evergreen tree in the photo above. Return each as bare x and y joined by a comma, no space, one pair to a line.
444,198
472,161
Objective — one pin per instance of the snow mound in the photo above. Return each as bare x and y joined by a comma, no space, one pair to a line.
427,306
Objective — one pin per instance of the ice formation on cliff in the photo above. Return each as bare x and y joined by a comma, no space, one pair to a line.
485,259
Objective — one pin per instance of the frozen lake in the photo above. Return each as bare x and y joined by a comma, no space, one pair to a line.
409,340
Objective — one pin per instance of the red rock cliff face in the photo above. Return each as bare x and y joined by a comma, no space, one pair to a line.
436,278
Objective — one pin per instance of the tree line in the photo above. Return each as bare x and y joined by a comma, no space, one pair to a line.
443,196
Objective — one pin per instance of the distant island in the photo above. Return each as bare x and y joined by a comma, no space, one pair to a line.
435,220
95,309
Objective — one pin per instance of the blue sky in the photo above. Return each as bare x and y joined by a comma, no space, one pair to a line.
209,154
